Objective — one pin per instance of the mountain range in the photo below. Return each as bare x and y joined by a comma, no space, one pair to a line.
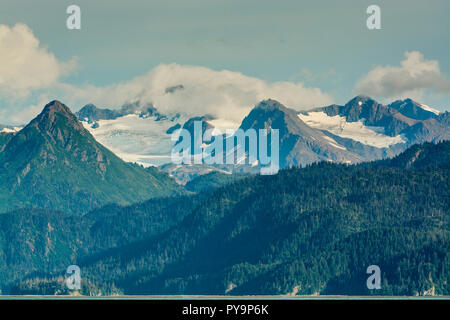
313,228
56,156
361,130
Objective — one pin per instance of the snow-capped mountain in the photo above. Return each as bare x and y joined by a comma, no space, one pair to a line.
414,110
136,133
399,124
360,130
300,143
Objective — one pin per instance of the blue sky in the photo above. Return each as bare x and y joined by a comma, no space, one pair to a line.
320,44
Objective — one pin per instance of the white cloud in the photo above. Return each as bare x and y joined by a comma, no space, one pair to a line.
28,70
25,65
223,94
22,116
412,78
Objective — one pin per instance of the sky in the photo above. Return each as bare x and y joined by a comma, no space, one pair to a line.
227,54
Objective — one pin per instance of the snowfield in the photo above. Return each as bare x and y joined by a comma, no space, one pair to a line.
144,140
136,139
337,125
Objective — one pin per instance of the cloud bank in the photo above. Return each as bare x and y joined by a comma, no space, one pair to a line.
29,74
414,75
223,94
25,65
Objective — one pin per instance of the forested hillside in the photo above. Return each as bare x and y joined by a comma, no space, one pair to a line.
312,230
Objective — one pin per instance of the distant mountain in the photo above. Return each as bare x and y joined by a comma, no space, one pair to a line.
414,110
55,163
361,130
300,144
433,129
136,132
370,113
304,231
383,131
92,114
395,120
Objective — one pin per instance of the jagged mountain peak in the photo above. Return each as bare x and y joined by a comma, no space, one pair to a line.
90,107
364,107
54,135
414,110
53,109
271,114
371,113
271,105
299,143
58,121
56,106
92,113
360,99
356,108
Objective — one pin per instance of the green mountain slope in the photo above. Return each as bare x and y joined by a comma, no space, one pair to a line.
36,242
423,155
303,231
55,163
